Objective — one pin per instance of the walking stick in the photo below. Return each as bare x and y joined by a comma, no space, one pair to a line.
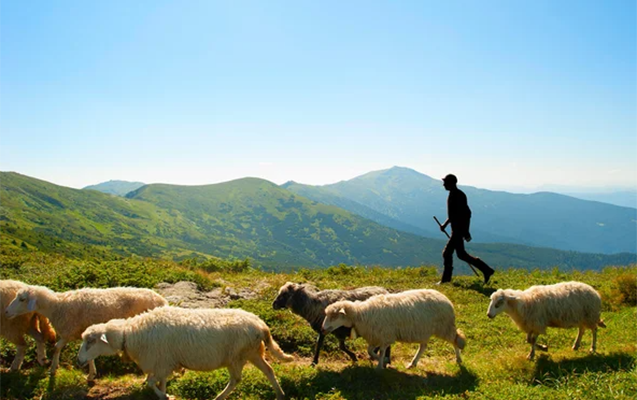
449,237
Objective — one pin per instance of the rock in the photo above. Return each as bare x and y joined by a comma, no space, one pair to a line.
185,294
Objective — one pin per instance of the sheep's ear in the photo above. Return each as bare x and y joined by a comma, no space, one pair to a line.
32,305
342,312
511,298
103,338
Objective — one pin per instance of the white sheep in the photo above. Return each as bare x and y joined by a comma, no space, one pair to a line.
14,329
165,339
563,305
72,312
412,316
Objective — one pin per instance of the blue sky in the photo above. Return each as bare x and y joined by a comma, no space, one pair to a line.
505,94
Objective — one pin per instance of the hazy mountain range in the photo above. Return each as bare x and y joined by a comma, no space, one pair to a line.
404,196
118,188
244,218
623,198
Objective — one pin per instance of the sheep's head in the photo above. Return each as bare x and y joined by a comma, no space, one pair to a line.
94,344
500,301
283,299
336,316
23,303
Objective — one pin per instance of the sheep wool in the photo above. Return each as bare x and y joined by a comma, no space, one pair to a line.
14,329
309,303
562,305
72,312
412,316
165,339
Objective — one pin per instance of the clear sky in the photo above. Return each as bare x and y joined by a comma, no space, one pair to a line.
502,93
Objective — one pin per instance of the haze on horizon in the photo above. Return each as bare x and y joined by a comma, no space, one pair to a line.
508,96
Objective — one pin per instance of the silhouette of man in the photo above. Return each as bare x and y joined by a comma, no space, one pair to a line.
459,216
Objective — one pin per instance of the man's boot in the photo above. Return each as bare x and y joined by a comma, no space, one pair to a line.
446,275
485,269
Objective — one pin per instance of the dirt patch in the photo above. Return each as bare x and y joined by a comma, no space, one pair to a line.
185,294
119,391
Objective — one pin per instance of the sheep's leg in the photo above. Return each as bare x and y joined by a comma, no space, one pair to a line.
381,357
594,343
457,350
421,349
267,370
151,381
531,339
39,341
235,377
19,357
371,350
319,345
92,371
56,355
578,339
41,351
341,345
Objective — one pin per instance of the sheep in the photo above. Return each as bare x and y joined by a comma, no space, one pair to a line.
165,339
31,323
412,316
308,302
562,305
72,312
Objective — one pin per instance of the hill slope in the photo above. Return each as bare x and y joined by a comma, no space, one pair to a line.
540,219
238,219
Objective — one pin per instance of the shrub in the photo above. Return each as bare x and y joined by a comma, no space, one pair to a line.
625,289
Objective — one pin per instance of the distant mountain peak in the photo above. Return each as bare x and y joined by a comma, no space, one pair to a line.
116,187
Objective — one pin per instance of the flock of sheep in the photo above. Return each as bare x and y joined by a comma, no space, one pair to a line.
161,339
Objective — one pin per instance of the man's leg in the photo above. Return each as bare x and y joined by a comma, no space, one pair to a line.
447,257
475,261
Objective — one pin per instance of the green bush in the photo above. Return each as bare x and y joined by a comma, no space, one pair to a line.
625,289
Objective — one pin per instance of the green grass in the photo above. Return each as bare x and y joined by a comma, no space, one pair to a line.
494,366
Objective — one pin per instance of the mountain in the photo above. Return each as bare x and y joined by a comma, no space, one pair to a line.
80,222
622,198
539,219
243,218
118,188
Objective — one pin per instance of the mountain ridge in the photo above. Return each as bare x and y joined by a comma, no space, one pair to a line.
543,219
249,217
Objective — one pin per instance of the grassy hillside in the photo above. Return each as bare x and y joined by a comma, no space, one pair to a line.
246,218
494,359
540,219
274,226
84,222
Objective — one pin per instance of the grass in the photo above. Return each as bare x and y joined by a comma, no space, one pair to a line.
494,366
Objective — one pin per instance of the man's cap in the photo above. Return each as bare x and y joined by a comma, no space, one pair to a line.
451,178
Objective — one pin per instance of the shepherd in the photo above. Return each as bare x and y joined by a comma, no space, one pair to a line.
459,216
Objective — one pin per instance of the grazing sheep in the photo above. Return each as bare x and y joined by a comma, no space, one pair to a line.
72,312
165,339
563,305
411,317
310,303
31,323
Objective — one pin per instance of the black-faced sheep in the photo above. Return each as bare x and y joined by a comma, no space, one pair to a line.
308,302
14,329
563,305
412,316
169,338
72,312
